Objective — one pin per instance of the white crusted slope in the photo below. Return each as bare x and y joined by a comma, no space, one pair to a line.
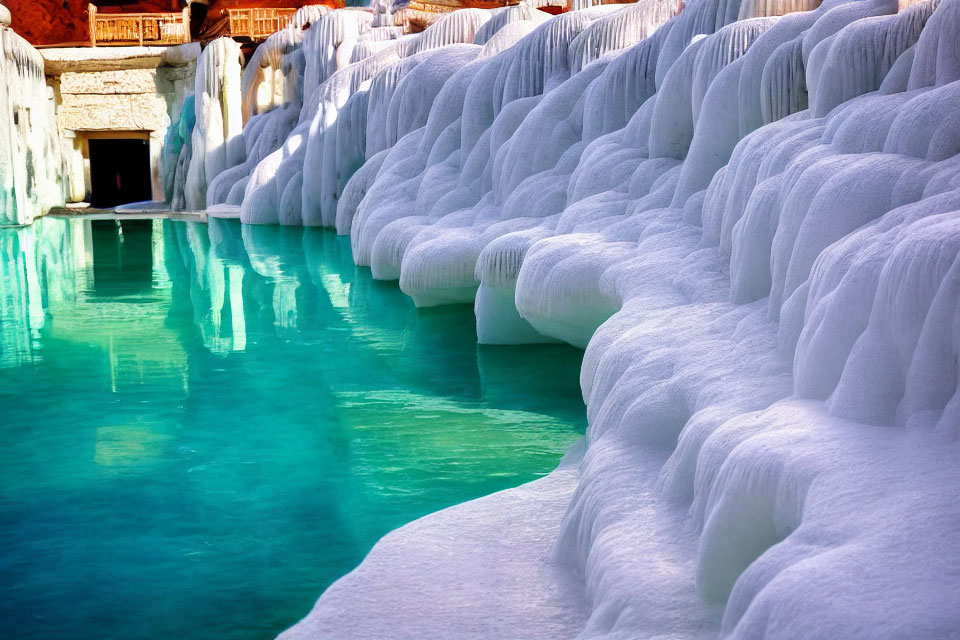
758,241
33,177
389,597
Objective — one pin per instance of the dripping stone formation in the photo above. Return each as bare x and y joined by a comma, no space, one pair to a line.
746,212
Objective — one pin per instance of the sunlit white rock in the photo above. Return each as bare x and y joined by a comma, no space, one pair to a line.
33,174
217,144
746,212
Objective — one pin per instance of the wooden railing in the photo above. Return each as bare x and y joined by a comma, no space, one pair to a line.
258,24
125,29
427,7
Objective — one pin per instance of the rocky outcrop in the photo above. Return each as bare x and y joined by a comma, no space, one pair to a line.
50,21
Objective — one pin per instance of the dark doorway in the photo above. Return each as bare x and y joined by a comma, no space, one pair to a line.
119,171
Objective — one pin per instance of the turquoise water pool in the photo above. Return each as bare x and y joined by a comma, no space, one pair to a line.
204,426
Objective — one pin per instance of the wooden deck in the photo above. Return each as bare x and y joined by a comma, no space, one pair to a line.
422,13
138,29
253,25
258,24
144,29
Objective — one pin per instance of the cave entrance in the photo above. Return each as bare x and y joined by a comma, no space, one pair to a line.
119,168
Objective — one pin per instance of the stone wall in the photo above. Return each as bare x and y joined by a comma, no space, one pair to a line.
113,112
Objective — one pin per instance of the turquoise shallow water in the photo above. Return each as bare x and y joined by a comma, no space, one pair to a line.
203,427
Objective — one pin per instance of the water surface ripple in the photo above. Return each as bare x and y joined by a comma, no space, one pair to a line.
204,426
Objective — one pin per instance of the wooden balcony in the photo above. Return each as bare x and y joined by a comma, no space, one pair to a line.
258,24
422,13
138,29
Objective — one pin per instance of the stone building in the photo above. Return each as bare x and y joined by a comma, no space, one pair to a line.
85,120
116,94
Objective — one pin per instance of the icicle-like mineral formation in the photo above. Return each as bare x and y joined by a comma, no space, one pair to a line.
747,213
216,143
31,161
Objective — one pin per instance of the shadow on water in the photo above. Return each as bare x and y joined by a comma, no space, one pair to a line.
207,425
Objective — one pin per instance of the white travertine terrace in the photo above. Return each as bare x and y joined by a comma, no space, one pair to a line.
747,213
31,163
750,222
217,143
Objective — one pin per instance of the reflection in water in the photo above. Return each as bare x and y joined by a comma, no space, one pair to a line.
205,426
54,252
122,257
